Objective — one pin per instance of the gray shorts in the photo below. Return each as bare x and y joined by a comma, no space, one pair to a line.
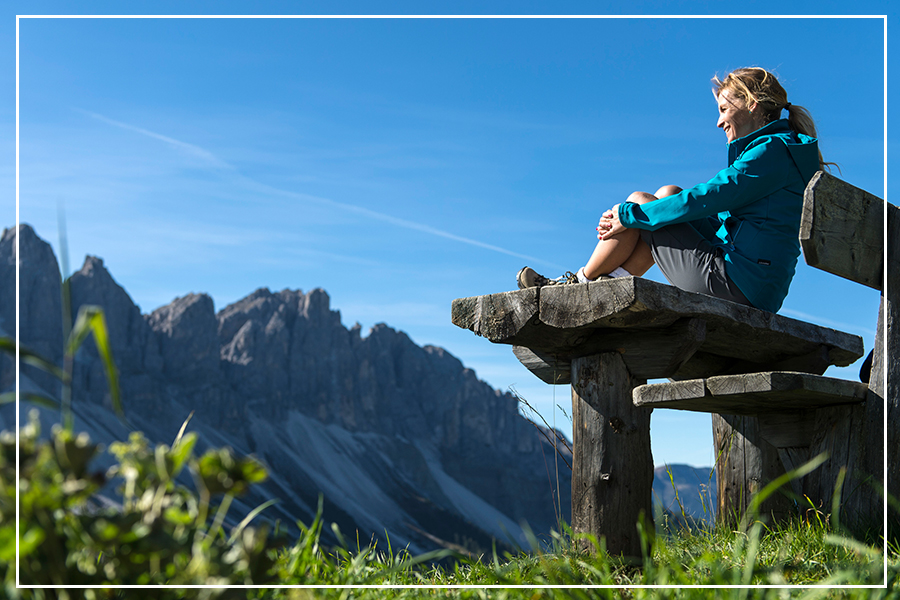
691,262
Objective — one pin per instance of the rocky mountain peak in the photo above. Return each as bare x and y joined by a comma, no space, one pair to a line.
317,305
128,333
187,330
40,285
399,438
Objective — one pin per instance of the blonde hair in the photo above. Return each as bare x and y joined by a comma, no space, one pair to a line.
756,85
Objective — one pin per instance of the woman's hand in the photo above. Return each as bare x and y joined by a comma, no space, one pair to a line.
609,224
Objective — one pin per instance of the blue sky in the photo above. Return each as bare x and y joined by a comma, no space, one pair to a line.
402,163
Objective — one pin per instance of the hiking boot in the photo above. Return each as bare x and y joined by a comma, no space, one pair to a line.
528,277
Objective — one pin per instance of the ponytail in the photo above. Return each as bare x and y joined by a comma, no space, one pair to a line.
801,121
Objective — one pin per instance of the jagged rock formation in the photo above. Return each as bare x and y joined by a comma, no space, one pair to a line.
39,297
400,439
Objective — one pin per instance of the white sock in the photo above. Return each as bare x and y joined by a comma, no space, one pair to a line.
582,278
619,272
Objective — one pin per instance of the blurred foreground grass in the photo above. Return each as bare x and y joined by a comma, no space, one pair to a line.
166,534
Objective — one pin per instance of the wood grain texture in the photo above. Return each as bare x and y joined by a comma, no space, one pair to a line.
752,393
832,435
548,368
745,463
787,428
497,317
889,317
793,458
862,428
842,230
733,330
648,353
612,473
569,321
862,499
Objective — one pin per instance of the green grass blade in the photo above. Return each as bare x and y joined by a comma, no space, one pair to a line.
246,521
181,431
8,345
91,320
36,399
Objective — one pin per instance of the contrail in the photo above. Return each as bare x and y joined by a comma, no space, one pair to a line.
192,149
221,164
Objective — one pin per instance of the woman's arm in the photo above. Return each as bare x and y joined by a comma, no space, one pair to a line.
763,168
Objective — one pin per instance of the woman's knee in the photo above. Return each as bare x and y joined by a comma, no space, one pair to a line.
667,190
640,197
644,197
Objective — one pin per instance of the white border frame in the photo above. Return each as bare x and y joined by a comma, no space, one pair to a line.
884,313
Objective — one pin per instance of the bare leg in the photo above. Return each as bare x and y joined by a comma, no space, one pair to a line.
626,249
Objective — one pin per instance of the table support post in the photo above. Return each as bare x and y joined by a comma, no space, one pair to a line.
612,478
745,462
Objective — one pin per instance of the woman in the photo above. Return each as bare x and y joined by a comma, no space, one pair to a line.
736,236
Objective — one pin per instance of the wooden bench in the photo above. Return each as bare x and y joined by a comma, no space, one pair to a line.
767,422
608,337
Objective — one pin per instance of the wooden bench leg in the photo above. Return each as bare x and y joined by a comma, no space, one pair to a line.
745,463
612,478
854,438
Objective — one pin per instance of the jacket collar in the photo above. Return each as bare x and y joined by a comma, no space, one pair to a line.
739,145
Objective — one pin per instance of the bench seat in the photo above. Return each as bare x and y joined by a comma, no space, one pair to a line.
752,393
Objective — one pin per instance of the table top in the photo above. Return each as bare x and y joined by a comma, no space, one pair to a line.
660,331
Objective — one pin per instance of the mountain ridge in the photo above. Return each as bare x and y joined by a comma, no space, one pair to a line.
403,442
414,428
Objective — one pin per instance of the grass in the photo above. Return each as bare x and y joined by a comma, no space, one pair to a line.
798,553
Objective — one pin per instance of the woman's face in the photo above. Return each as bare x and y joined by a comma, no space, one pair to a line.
735,119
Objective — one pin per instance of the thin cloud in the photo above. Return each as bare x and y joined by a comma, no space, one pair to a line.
189,148
215,161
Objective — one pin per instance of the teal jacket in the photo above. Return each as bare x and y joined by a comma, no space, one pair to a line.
753,206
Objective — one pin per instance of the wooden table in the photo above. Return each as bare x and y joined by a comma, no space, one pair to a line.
608,337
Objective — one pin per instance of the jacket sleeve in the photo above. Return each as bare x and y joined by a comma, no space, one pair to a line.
763,168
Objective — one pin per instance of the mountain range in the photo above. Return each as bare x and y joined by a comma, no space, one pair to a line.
402,442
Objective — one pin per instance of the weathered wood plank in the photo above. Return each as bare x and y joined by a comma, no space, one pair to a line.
855,437
787,428
832,435
730,483
648,353
497,317
612,474
565,322
862,501
842,230
671,394
744,464
789,387
752,393
662,353
889,317
604,303
548,368
793,458
733,329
